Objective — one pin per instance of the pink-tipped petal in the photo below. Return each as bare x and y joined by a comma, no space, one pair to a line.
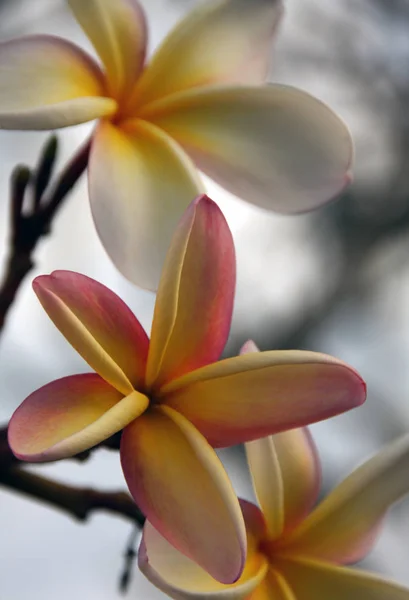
224,41
70,415
254,395
182,579
286,474
47,83
117,30
98,324
195,298
140,183
180,485
274,146
313,580
344,527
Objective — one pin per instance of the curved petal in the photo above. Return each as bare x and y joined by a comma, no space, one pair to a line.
343,528
194,304
140,182
180,485
70,415
254,395
274,587
312,580
181,578
224,41
118,32
274,146
47,83
98,325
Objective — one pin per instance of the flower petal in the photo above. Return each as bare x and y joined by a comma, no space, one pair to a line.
194,304
312,580
286,474
118,32
274,146
225,41
98,324
47,82
343,528
274,587
70,415
254,395
180,485
140,183
181,578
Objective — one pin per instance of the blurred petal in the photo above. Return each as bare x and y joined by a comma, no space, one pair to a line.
286,473
225,41
182,488
310,580
180,578
70,415
194,304
118,32
98,325
254,395
47,83
140,183
343,528
275,587
274,146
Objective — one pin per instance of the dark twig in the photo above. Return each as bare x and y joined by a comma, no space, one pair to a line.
130,556
27,228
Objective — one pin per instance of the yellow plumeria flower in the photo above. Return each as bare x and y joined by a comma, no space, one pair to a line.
199,103
295,551
170,396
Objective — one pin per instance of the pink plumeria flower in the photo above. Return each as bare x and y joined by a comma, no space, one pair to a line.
171,398
198,104
295,551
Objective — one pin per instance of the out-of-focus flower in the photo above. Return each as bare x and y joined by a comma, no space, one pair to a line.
198,103
171,398
295,551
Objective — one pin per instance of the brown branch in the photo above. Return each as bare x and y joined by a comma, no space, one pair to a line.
27,229
79,503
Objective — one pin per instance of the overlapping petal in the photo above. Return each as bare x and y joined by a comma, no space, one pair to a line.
47,82
254,395
344,526
140,182
70,415
310,580
180,485
225,41
117,30
98,324
182,579
194,303
274,146
274,587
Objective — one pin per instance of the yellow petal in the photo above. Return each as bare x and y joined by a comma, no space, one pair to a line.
310,580
181,578
194,303
225,41
344,527
274,587
47,82
254,395
274,146
98,325
70,415
117,30
180,485
140,183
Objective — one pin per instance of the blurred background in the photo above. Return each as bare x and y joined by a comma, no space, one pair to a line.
335,281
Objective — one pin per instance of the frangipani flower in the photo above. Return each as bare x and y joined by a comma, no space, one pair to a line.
171,398
295,551
198,104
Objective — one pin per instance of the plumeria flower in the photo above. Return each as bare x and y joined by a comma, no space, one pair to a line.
198,104
296,551
170,397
